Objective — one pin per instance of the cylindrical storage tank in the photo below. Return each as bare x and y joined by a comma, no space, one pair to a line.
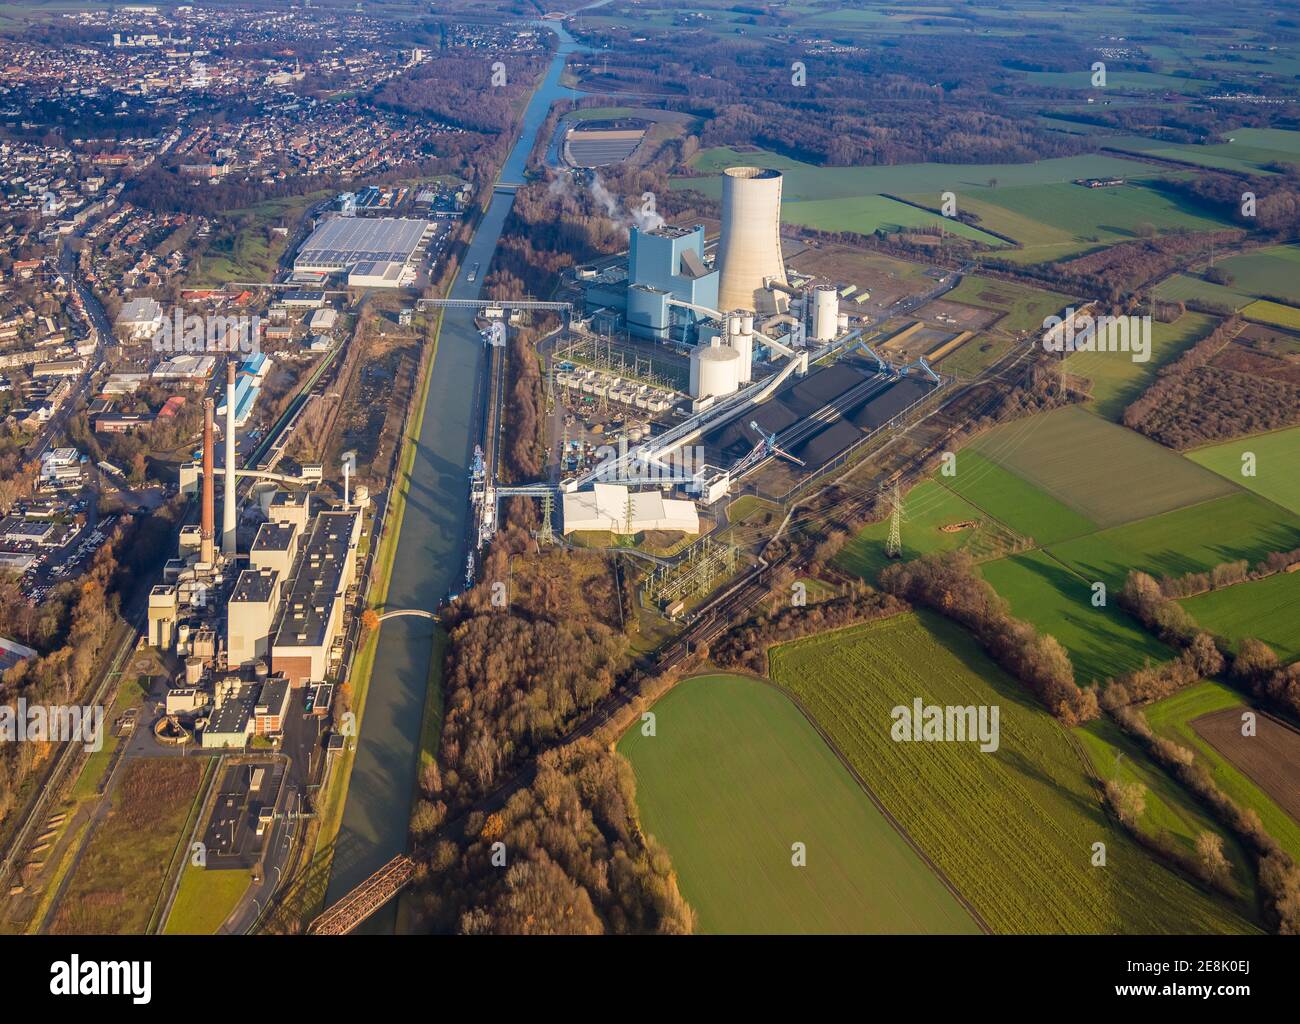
844,322
714,371
193,671
749,252
260,671
826,312
361,496
743,343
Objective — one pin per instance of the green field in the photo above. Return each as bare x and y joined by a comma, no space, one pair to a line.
1277,464
867,214
1273,271
1144,81
1056,221
1117,380
805,181
205,899
733,777
1267,609
1012,829
1170,809
1273,313
1251,150
1025,308
1193,539
1102,642
1172,719
929,507
119,879
1015,501
1191,288
1104,472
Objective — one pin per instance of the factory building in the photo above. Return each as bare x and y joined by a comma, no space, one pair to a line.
668,264
249,614
617,509
311,609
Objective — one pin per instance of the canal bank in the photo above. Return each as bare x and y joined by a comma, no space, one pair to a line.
431,550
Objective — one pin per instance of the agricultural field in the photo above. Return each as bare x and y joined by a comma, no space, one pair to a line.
1175,718
1117,380
1273,313
1193,288
1170,809
1016,502
119,878
868,214
1060,220
1277,464
976,355
1025,308
1102,642
1192,539
1251,149
1267,609
1270,758
930,508
1274,271
1012,829
804,181
728,813
1102,471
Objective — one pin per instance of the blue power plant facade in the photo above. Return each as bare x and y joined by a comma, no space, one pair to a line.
668,263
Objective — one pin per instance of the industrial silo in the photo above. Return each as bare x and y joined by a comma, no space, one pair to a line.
715,370
749,253
826,312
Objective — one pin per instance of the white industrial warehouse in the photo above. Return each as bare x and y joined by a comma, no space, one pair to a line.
340,244
606,507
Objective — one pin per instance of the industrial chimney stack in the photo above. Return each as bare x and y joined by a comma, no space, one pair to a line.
228,506
209,517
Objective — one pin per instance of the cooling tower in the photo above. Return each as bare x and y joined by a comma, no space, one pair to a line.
750,250
228,505
207,522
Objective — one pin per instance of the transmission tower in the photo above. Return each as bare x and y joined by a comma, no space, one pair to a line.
894,546
544,535
627,525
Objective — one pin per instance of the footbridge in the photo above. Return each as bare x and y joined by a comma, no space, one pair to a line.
366,898
417,612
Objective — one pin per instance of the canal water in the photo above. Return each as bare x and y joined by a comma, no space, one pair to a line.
431,549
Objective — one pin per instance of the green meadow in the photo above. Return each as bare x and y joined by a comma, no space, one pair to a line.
1102,642
1277,464
1267,609
732,778
1012,829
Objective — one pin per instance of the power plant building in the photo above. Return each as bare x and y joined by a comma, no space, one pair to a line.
668,264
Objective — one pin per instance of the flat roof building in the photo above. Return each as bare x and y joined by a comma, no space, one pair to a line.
340,243
311,612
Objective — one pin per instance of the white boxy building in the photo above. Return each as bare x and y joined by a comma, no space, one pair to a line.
605,507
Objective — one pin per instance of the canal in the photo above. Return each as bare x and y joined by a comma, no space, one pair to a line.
431,549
